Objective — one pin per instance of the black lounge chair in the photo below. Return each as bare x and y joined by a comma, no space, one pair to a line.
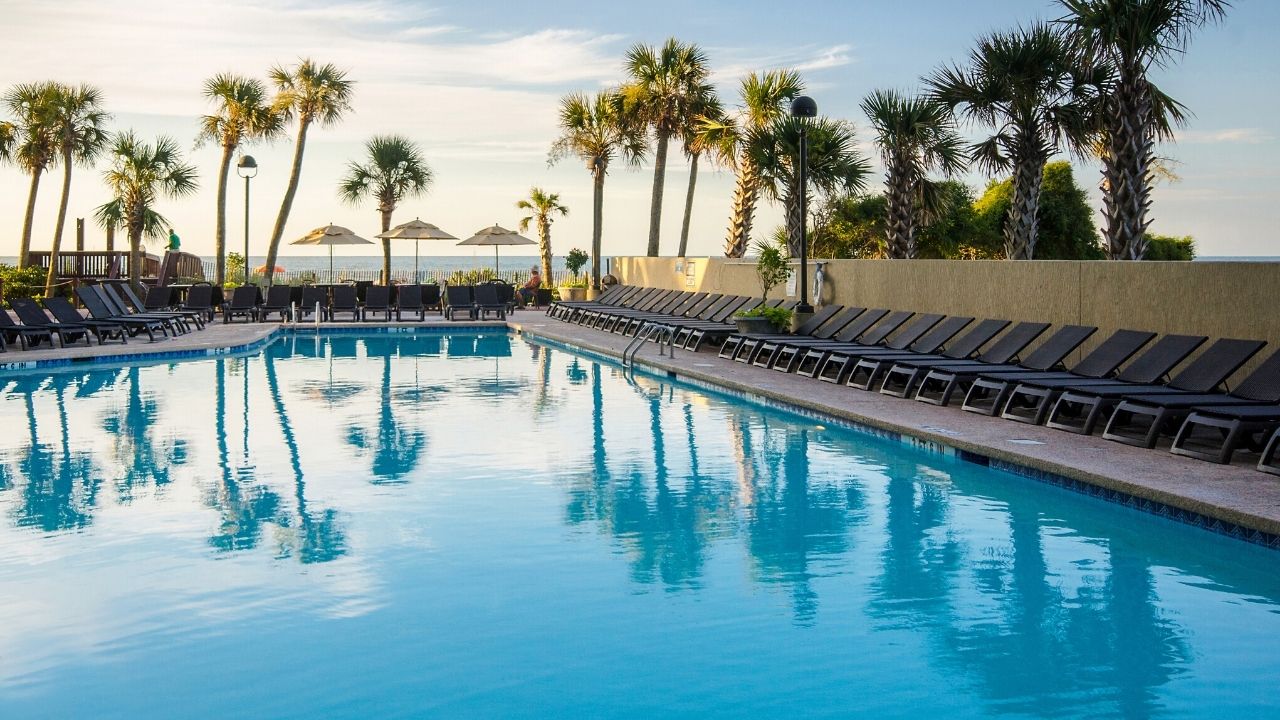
244,303
1270,460
92,299
26,335
656,303
1141,419
33,316
791,353
344,300
712,317
278,301
942,381
431,299
104,330
1034,395
122,297
506,294
315,301
565,309
175,323
685,305
989,391
904,377
1082,404
582,311
158,298
877,337
487,302
692,333
199,299
861,368
457,299
1228,428
409,300
824,324
377,299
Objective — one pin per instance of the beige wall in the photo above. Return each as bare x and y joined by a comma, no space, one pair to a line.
1217,299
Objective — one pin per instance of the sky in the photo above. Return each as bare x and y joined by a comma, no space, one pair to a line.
477,85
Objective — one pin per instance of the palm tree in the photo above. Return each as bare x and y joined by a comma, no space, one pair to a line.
313,94
708,110
80,134
834,164
35,144
542,206
1133,36
396,170
242,113
593,131
662,94
763,98
915,135
8,132
1039,97
141,174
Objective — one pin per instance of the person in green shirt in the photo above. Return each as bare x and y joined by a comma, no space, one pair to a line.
174,242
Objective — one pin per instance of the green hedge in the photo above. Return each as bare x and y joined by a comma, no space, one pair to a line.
1169,247
21,282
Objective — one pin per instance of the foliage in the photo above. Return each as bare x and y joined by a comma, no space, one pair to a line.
21,282
779,317
574,261
235,269
1066,229
772,267
542,207
575,281
1170,247
853,226
471,277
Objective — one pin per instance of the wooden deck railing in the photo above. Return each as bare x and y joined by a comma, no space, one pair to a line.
97,264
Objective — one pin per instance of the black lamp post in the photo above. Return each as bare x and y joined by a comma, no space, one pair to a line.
246,168
803,108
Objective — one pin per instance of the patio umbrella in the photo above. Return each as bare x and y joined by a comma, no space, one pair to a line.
331,235
415,230
497,236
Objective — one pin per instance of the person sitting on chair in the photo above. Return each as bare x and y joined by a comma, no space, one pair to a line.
530,290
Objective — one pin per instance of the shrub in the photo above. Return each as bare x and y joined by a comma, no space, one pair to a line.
21,282
772,268
780,317
1170,247
575,260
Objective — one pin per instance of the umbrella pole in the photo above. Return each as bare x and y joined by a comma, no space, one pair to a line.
415,262
330,263
495,262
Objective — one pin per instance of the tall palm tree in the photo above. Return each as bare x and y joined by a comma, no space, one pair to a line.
312,93
1132,36
915,135
1039,98
834,164
542,206
35,144
242,113
764,96
592,130
140,174
80,134
662,92
708,110
396,170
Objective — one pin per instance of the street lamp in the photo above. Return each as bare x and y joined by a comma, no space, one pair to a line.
246,168
803,108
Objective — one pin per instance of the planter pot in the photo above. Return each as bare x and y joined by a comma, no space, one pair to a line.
592,293
754,325
573,294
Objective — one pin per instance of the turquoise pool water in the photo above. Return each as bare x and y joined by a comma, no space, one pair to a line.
472,526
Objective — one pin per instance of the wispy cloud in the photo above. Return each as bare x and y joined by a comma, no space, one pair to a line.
1238,136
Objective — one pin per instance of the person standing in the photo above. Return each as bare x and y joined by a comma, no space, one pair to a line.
174,243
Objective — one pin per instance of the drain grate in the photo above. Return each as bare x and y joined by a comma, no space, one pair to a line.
1025,441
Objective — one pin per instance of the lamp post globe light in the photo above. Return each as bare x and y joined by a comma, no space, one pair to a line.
246,168
803,108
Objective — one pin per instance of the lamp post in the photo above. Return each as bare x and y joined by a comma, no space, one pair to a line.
803,108
246,168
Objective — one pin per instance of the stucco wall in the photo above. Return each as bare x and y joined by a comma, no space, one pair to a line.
1217,299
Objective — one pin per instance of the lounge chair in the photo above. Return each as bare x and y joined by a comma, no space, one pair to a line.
104,330
128,300
1082,404
457,299
1141,419
26,335
904,376
566,309
176,323
842,367
33,316
94,301
487,302
943,380
244,303
825,323
988,392
709,319
278,301
377,299
158,298
1215,432
506,295
792,354
344,300
315,301
431,299
683,305
1270,460
648,302
1034,396
878,336
199,299
409,300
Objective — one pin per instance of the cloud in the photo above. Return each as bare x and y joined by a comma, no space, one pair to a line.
1232,136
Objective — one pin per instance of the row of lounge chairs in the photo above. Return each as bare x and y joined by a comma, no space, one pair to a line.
379,303
1133,385
115,313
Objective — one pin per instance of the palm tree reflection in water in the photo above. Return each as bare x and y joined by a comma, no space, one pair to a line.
144,459
61,489
243,505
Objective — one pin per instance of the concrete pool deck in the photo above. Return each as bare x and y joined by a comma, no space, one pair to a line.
1235,494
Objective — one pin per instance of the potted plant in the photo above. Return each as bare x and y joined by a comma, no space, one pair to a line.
772,269
575,286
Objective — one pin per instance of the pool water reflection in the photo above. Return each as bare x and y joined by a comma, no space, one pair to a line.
475,525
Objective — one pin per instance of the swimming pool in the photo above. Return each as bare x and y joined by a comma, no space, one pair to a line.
477,525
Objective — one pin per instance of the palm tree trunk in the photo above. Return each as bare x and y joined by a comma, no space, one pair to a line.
24,249
900,214
544,248
135,253
1127,168
220,223
1020,229
791,204
386,247
744,206
51,277
597,226
688,206
287,204
655,207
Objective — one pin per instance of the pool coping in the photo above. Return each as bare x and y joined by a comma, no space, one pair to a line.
1216,518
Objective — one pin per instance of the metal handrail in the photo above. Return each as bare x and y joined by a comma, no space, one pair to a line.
648,331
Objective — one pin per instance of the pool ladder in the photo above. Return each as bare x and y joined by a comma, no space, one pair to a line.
649,331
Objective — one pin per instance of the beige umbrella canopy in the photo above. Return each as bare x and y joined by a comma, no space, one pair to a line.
497,236
415,230
331,235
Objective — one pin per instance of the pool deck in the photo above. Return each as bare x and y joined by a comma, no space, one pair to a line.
1236,494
